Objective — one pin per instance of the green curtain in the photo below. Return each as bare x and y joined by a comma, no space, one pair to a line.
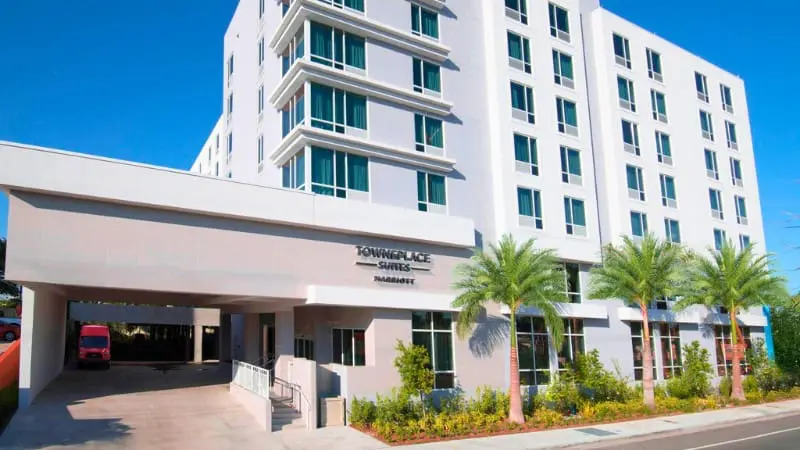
665,146
443,344
432,76
340,169
636,224
419,129
521,152
433,132
436,188
633,180
356,111
355,4
300,169
537,204
578,213
338,45
514,46
298,51
430,24
415,18
358,172
322,105
669,187
525,202
570,113
321,44
566,67
422,187
322,170
622,86
574,162
742,207
417,70
355,55
338,107
712,195
518,96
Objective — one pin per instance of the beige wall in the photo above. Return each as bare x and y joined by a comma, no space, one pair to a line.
42,341
99,312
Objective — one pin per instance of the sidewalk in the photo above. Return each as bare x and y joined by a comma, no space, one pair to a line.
637,428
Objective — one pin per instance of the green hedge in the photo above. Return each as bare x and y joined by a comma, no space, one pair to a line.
786,339
9,398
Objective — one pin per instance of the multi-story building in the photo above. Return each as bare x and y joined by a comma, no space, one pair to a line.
554,120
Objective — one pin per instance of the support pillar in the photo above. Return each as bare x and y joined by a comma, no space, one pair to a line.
198,343
284,343
224,337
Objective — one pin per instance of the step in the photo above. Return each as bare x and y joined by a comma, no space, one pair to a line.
286,414
289,427
288,424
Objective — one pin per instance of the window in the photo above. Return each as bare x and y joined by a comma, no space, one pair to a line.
719,238
424,22
575,216
293,113
572,275
522,103
427,77
635,182
526,154
533,350
722,339
434,331
355,5
230,144
706,125
661,304
338,110
567,116
627,98
519,52
216,169
622,51
654,66
261,8
741,210
573,343
559,22
338,49
638,224
637,343
348,347
673,230
670,349
659,105
261,51
294,172
663,148
517,10
701,85
230,66
668,196
529,204
715,198
712,170
630,137
230,105
428,135
260,99
727,100
260,145
431,194
339,174
217,146
730,134
294,51
571,166
303,348
744,241
736,172
563,70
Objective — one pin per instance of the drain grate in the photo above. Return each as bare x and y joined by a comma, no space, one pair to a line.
596,432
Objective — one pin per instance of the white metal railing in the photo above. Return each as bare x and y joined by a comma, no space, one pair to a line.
253,378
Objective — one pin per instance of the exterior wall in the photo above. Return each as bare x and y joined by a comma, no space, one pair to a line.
211,160
87,312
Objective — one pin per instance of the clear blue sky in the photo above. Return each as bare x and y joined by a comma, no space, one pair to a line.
142,81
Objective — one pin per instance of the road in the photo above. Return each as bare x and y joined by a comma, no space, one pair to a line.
778,433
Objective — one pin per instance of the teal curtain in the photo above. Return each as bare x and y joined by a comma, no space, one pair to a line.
436,192
338,45
566,67
518,96
419,129
432,76
514,46
578,213
356,111
731,132
633,180
422,191
568,211
742,207
300,169
665,146
299,111
417,70
298,51
430,24
525,202
636,224
322,105
537,204
358,172
433,132
574,162
622,86
521,152
338,108
340,169
355,55
415,19
669,187
570,113
321,44
712,195
444,351
322,170
710,161
355,4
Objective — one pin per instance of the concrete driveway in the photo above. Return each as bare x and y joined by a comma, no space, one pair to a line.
136,407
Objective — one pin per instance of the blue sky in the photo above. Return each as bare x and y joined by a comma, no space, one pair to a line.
143,82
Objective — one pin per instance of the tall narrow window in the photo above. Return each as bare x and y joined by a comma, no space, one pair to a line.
354,5
706,125
293,112
526,154
230,65
295,49
261,8
659,105
730,134
559,22
427,77
741,210
638,224
260,153
635,182
673,230
736,172
572,280
260,95
338,49
630,137
434,331
519,52
349,348
428,134
563,70
637,343
338,110
522,103
701,85
627,98
529,206
722,338
262,50
230,145
622,51
571,166
573,343
424,22
567,116
575,216
339,174
533,348
293,172
669,197
431,194
517,10
727,99
719,238
663,148
230,105
654,66
712,170
670,349
744,241
715,200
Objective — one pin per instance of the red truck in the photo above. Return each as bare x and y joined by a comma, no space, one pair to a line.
94,346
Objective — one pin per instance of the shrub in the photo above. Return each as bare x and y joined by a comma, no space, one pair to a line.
414,367
488,401
767,374
546,418
695,381
726,387
362,412
599,384
749,384
680,388
562,393
786,337
395,408
660,390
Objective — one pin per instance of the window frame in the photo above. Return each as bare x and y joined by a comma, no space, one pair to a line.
656,105
431,318
736,172
744,241
722,337
652,73
338,41
561,112
529,113
571,337
345,190
539,336
428,205
673,235
629,103
523,64
673,342
424,146
573,228
638,220
740,203
558,30
638,191
333,125
701,87
293,170
720,236
558,72
715,196
418,23
707,125
340,359
530,167
567,174
731,136
623,59
518,13
711,172
664,157
666,200
260,152
419,64
726,98
575,296
535,220
631,147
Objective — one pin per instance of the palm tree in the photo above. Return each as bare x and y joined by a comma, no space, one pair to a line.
639,272
513,276
736,281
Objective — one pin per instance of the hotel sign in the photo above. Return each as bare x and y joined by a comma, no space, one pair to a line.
394,266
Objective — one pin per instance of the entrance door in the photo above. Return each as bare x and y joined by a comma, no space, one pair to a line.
268,345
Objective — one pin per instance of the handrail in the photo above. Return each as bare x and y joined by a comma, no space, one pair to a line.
297,390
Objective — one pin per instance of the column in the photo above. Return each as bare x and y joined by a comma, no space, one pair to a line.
224,337
198,343
284,343
44,321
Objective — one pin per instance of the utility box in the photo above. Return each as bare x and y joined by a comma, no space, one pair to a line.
331,412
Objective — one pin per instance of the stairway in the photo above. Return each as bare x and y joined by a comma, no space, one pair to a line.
285,416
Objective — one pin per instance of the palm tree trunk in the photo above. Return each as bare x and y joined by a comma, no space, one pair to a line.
647,364
515,398
737,392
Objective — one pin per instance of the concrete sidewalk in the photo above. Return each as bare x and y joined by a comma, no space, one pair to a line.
637,428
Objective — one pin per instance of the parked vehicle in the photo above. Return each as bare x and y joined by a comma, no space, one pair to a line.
9,329
94,346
